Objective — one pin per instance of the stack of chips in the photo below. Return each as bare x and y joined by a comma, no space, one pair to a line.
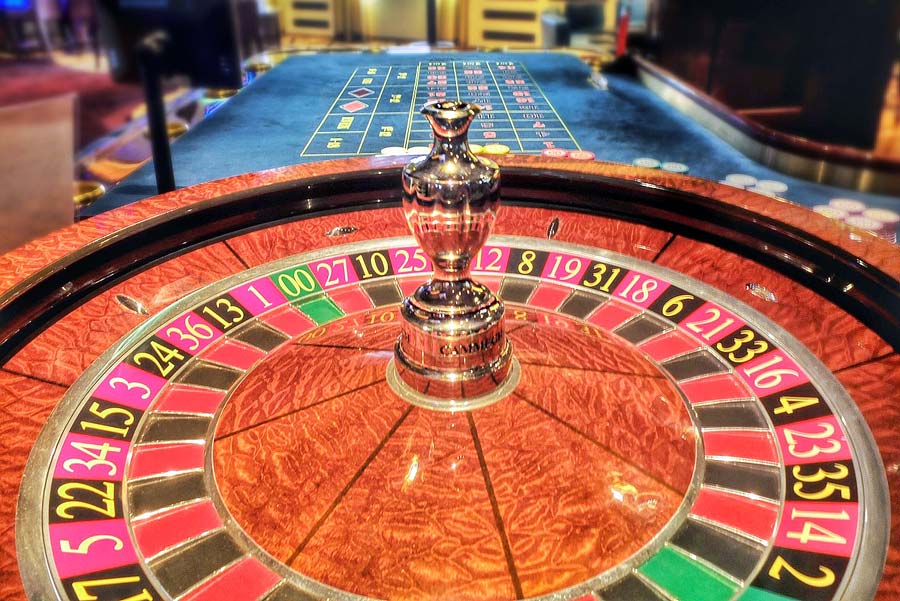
831,212
851,206
555,153
769,187
646,162
887,219
674,167
562,153
393,150
766,187
864,223
651,163
740,180
417,150
495,149
881,222
412,150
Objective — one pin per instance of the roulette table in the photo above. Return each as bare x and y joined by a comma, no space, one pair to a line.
197,408
310,108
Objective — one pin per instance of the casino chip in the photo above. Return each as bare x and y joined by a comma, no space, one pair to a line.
830,212
741,180
772,185
888,219
864,223
393,150
674,167
496,149
646,162
476,148
850,205
418,150
556,153
763,191
882,215
582,155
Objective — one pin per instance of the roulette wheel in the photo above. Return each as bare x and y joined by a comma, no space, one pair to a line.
201,386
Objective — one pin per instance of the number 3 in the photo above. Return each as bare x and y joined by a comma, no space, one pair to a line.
759,347
791,436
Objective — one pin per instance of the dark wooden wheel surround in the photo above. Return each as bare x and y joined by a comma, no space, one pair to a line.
850,271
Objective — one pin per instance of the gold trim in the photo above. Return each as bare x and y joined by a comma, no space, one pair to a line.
86,192
174,129
220,93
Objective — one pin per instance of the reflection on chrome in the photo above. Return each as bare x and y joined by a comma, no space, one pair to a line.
553,229
762,292
453,347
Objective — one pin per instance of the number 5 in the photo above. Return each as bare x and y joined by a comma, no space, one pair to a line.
82,549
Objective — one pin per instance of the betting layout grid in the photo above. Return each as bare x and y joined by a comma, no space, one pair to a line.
777,512
378,108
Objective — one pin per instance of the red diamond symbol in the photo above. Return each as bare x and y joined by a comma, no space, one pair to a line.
362,92
354,106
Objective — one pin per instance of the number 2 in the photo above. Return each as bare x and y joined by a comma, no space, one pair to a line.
495,255
826,579
714,315
792,436
107,507
333,277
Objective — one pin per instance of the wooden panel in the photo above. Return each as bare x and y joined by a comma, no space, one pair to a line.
509,23
831,60
314,18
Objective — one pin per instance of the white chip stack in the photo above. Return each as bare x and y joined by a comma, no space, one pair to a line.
646,162
831,212
881,222
851,206
772,185
766,187
740,180
674,167
763,191
887,219
393,150
864,223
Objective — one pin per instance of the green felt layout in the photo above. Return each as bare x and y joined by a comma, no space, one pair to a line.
291,114
686,579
